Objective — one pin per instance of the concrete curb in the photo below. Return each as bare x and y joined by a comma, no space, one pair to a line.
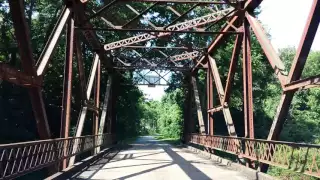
249,173
78,166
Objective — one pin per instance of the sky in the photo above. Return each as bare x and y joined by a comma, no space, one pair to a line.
283,19
156,92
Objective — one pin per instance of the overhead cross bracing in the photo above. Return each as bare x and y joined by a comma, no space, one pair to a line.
151,59
144,25
123,37
176,27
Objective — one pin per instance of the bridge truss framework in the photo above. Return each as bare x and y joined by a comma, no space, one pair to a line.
236,17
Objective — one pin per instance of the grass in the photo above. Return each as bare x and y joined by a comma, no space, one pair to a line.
172,141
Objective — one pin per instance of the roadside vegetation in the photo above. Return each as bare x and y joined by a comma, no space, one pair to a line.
137,116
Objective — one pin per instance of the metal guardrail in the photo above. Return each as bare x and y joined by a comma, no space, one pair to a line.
18,159
299,157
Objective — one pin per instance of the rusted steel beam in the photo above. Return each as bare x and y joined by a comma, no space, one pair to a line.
182,15
67,88
101,17
166,56
101,10
144,84
235,17
84,108
52,41
307,83
185,56
92,75
254,4
219,39
92,108
232,68
306,41
80,65
22,34
301,154
198,105
210,101
23,38
295,73
214,45
90,35
188,123
268,49
172,68
199,62
80,123
182,1
105,107
108,22
138,15
113,103
220,91
18,159
158,47
175,58
247,82
173,10
225,17
96,104
177,27
216,109
141,57
296,69
158,31
17,77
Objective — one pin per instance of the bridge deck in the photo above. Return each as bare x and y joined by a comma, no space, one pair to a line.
152,160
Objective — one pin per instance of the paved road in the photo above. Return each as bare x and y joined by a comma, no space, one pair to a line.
150,159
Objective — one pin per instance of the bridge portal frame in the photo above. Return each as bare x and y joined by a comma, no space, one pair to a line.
239,20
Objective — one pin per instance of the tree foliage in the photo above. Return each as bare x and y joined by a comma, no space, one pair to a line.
164,117
134,114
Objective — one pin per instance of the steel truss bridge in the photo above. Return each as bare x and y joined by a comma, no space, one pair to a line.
151,45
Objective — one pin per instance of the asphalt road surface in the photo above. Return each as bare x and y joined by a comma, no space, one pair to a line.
151,159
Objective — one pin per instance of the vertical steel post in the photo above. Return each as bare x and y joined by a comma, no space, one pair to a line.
247,82
110,124
113,101
22,34
198,105
105,108
187,123
297,67
269,51
46,54
244,78
210,100
67,87
96,104
92,76
232,69
84,108
220,91
80,66
191,125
